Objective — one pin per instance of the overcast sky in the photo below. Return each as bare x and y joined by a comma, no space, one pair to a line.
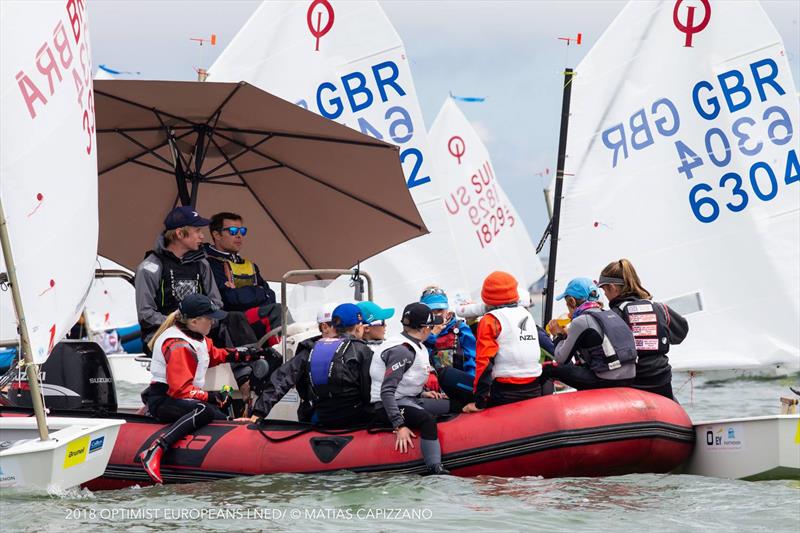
507,51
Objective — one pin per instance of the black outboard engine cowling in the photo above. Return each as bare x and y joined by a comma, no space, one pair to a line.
76,376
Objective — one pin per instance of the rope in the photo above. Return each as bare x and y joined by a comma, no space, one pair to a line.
691,389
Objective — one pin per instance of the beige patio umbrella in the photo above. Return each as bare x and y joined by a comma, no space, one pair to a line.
313,193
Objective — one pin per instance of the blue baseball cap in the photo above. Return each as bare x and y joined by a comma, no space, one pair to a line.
372,312
435,299
346,316
184,216
582,289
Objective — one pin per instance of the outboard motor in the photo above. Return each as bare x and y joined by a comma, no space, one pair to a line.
76,376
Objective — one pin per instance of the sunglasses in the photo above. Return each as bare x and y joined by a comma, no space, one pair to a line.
377,323
236,230
428,292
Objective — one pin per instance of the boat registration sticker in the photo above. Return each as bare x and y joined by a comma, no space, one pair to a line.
724,437
637,319
646,344
646,330
76,452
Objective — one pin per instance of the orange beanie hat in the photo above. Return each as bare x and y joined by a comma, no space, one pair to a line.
499,288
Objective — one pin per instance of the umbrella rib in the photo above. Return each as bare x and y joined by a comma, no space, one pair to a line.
142,106
242,172
209,131
267,211
147,151
337,189
148,165
148,128
142,146
374,144
227,99
237,156
174,149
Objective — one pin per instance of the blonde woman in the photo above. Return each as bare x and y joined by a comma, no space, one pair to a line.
182,353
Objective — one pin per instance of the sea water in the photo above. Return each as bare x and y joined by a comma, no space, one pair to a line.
388,502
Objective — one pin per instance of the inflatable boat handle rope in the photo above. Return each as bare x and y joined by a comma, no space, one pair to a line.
317,429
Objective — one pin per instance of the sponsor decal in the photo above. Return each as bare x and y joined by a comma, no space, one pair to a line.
7,480
725,437
97,444
638,319
76,452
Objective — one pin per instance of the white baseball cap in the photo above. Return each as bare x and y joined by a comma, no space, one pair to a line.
325,313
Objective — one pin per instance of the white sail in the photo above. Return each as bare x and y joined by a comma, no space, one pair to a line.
682,156
491,233
111,303
345,61
48,172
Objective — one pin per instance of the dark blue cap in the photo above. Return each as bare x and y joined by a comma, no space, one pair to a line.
184,216
195,305
346,316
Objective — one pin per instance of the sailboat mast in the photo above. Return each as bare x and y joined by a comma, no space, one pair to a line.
30,367
554,221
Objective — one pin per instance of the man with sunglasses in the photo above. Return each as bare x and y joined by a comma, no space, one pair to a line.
239,280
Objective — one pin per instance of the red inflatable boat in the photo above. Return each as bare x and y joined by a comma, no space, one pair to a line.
590,433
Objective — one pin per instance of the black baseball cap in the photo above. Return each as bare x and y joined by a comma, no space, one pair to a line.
418,315
184,216
195,305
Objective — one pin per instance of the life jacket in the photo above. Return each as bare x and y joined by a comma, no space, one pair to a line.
333,374
178,280
649,323
616,350
414,378
241,274
518,353
158,366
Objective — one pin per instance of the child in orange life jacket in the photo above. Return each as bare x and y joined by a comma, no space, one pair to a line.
507,362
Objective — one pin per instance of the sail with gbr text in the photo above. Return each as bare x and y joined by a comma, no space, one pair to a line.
345,61
682,156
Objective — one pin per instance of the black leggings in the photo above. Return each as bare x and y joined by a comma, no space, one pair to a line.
505,393
582,378
188,416
417,417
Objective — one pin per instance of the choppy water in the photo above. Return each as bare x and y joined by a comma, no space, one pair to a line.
380,502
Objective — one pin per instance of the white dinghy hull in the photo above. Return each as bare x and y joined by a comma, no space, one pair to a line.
78,451
756,448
